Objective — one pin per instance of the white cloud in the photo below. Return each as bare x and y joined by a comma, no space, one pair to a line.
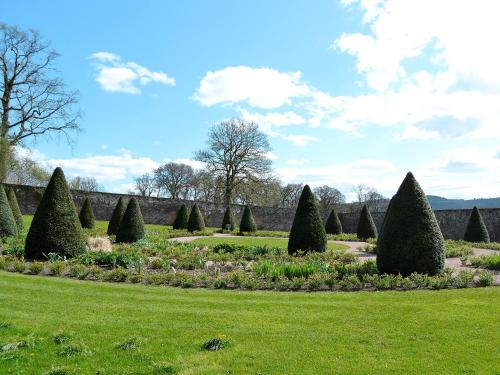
297,161
115,75
271,155
301,140
193,163
270,121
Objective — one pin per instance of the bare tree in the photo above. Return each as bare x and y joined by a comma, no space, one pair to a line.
237,153
23,170
145,185
205,187
89,184
174,179
290,195
260,193
369,196
328,197
35,101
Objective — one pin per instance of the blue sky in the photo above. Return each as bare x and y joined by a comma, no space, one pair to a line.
349,92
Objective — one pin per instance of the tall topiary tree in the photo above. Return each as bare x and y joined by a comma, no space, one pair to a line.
307,233
333,225
247,223
411,240
116,217
132,225
55,227
14,206
196,222
182,219
366,226
476,230
87,218
229,219
8,226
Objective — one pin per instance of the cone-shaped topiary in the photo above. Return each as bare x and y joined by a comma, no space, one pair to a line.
229,219
411,240
14,206
182,219
307,233
476,230
87,218
366,226
196,222
55,227
333,225
247,223
116,217
132,225
8,226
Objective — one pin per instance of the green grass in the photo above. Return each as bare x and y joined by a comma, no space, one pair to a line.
253,241
441,332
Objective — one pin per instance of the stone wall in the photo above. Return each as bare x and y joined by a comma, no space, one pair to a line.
163,211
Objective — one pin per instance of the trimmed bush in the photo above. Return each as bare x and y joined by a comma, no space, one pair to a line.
87,219
229,219
14,206
55,227
411,240
132,225
333,225
247,223
116,217
196,222
8,226
366,226
307,233
476,231
182,219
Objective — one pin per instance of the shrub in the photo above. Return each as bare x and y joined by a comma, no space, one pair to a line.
366,226
411,240
229,219
73,350
116,217
17,266
456,249
87,219
484,278
333,224
60,338
486,261
307,233
196,222
56,268
132,225
476,230
35,267
215,344
55,226
100,244
131,343
182,218
14,206
8,226
247,223
118,275
463,279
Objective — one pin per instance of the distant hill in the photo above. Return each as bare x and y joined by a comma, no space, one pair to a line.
440,203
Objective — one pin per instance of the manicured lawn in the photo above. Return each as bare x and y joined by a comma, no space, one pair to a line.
417,332
252,241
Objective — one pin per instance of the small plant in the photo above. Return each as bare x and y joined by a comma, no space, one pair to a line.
35,267
129,344
74,350
78,271
215,344
13,346
56,268
100,244
457,249
58,371
60,338
118,275
484,278
491,262
463,279
5,325
162,368
17,266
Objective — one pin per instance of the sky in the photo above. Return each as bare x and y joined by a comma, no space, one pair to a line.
349,92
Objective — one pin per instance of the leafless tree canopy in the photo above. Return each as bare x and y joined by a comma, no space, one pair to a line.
89,184
23,170
145,185
328,197
174,179
371,197
237,153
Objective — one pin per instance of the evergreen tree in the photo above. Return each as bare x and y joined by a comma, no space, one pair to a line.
14,206
8,226
87,218
229,219
132,225
411,240
55,227
247,223
196,222
333,225
116,217
182,219
476,230
307,233
366,226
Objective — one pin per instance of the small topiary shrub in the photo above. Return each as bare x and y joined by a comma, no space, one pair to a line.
55,227
132,225
307,233
195,222
333,225
116,217
476,230
87,218
182,219
14,206
366,226
229,220
8,226
247,223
